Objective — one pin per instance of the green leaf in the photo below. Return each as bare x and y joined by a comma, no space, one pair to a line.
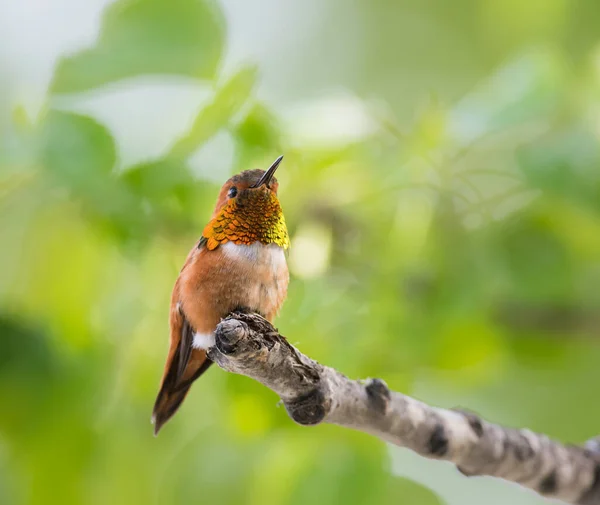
74,147
226,103
537,262
80,155
155,179
25,351
167,189
182,37
565,163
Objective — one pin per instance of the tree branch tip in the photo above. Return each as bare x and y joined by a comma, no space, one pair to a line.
229,333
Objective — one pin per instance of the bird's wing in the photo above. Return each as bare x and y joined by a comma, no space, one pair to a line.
184,363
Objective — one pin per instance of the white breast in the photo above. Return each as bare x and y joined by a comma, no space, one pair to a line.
258,254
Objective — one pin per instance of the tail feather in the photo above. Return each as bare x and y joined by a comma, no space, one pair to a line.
176,384
166,405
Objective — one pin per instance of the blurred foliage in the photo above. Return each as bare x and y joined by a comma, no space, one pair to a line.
147,37
453,251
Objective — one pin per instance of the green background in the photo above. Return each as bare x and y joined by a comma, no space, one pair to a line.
441,185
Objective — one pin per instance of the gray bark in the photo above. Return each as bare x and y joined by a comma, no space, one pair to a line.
247,344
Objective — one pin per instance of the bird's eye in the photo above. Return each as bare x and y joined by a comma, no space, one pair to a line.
232,192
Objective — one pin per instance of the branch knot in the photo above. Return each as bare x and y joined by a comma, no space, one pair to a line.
308,409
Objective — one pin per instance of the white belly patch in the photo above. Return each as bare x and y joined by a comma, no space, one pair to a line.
203,340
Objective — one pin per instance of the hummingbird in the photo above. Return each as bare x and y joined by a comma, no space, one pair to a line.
238,264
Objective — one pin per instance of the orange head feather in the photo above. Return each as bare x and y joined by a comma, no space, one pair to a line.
248,211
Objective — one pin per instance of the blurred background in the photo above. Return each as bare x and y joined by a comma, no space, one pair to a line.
441,184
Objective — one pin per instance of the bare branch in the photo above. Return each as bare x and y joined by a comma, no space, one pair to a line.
247,344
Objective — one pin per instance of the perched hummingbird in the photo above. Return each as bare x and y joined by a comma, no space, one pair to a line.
238,264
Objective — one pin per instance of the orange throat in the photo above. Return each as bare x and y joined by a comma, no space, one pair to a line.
244,223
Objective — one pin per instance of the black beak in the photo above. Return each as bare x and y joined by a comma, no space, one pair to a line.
268,175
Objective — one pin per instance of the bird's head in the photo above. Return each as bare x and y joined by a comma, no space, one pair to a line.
248,211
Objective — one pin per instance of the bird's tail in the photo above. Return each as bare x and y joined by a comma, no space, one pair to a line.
176,384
